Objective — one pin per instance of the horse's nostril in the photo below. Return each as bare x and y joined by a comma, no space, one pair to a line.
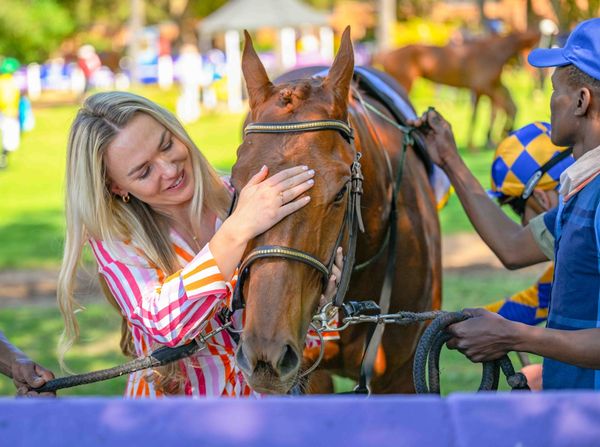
289,362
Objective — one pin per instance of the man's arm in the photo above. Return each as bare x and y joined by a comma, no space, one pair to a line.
25,373
487,336
8,355
514,245
580,347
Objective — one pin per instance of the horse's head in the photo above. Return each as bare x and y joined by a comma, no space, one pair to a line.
282,294
526,39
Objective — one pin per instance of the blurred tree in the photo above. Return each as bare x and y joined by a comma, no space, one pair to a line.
30,30
569,12
414,8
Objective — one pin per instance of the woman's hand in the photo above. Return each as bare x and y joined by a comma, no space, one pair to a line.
438,136
265,201
262,203
334,278
28,375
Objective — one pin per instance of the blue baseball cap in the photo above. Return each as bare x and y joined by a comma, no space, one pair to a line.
582,49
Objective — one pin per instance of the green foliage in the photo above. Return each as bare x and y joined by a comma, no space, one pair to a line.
569,12
31,30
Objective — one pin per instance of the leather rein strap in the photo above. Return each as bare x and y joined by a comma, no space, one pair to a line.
352,218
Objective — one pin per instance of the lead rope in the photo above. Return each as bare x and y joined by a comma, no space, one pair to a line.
159,357
428,353
426,364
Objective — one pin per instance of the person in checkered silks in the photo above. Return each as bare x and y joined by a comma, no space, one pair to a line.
525,176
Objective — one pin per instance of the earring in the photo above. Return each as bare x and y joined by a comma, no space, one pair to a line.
125,198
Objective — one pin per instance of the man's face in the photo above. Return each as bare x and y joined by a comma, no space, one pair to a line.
562,109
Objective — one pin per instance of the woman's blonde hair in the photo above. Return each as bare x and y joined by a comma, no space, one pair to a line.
93,211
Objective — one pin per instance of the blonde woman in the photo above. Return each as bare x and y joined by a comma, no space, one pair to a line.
155,215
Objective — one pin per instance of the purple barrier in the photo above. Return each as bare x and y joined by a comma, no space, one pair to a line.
302,422
517,419
526,419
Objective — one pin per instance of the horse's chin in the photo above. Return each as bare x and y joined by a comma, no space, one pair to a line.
265,381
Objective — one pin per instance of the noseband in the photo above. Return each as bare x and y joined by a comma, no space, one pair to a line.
352,217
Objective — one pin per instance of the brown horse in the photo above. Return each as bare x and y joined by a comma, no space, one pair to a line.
282,295
476,65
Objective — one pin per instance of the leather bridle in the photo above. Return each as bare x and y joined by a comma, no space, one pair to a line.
352,218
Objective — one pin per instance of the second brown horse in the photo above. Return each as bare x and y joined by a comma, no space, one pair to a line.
282,295
476,65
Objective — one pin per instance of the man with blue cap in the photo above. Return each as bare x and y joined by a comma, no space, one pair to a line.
568,233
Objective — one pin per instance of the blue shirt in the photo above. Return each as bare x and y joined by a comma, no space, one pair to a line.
575,301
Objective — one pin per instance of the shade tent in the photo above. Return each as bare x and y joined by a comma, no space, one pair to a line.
255,14
286,16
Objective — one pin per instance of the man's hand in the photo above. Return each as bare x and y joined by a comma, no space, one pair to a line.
438,136
484,337
28,375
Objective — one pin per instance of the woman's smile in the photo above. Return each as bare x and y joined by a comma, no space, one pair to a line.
179,182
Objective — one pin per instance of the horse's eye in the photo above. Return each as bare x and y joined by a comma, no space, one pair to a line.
340,195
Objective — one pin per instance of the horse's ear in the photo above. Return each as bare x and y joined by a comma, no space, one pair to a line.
340,73
257,81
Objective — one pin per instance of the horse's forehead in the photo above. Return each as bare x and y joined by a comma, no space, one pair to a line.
297,100
288,149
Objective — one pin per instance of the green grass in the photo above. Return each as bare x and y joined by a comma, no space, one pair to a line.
32,188
35,330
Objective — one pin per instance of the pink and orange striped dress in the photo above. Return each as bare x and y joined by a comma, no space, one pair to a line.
172,311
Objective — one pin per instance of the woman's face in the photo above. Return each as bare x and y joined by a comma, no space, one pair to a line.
146,161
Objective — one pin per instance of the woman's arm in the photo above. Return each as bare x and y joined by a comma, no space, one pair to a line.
173,310
262,203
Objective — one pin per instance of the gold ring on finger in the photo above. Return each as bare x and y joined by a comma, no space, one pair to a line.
281,197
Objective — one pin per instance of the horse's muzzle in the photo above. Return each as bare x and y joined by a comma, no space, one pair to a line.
273,370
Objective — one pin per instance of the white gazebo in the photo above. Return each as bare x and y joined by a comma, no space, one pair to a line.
283,15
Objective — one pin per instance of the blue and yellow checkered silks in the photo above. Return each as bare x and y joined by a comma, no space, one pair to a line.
529,306
520,155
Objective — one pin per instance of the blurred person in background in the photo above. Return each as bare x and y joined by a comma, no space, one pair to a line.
10,94
188,71
89,63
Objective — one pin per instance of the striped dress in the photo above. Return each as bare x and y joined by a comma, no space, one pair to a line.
171,311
